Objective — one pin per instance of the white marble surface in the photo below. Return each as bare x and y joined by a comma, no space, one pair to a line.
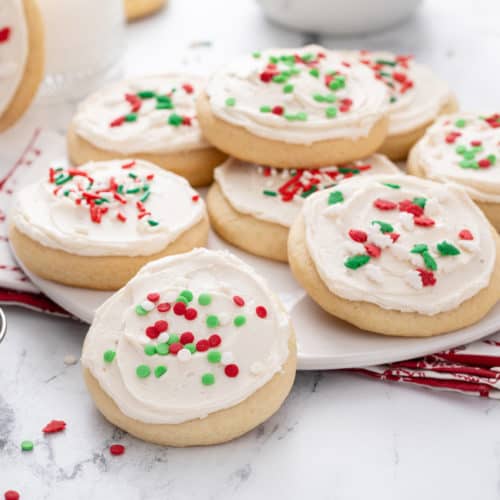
339,436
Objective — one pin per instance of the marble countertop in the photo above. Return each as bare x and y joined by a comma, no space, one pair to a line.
338,436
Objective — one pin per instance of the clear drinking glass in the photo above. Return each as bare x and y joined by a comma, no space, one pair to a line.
84,42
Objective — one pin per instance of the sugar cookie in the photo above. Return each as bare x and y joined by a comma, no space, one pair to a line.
397,255
294,108
137,9
95,226
194,350
151,118
253,207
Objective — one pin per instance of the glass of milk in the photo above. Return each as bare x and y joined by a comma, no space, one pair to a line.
84,42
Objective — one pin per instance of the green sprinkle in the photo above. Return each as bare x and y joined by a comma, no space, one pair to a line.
385,62
27,445
445,248
230,101
307,57
208,379
429,261
288,88
331,112
385,227
133,190
419,248
330,98
392,186
356,261
164,99
175,120
153,223
160,370
204,299
273,59
131,117
301,116
146,94
469,164
318,98
265,109
140,311
119,189
62,179
180,298
393,99
173,339
256,55
187,294
162,349
420,201
214,356
190,347
267,192
212,321
309,192
492,159
149,350
314,72
143,371
280,78
239,320
164,105
460,149
145,197
460,123
469,155
66,193
100,201
335,197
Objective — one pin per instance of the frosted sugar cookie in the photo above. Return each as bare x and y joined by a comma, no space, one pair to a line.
136,9
151,118
253,207
194,350
95,226
397,255
21,58
463,149
417,97
294,108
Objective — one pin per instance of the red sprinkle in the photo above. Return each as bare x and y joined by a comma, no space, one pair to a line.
195,197
163,307
423,221
278,110
175,348
117,449
187,338
475,143
231,370
427,277
161,325
152,332
373,250
117,121
238,301
153,297
394,237
128,165
179,308
4,34
261,311
357,235
384,204
202,345
54,426
11,495
214,340
465,234
188,88
411,208
484,163
191,313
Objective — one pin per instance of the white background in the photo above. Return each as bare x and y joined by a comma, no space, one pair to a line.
338,436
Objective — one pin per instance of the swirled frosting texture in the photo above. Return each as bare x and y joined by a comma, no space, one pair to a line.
153,114
298,95
277,195
120,207
228,337
13,49
416,94
463,149
401,243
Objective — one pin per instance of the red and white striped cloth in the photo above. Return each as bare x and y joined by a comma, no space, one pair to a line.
473,369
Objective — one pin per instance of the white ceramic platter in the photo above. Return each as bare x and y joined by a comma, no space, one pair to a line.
324,342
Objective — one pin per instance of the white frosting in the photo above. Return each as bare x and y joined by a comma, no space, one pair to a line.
417,94
151,131
438,154
266,193
258,348
13,49
60,217
407,276
237,94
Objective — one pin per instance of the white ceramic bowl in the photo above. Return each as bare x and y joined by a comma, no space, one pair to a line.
338,17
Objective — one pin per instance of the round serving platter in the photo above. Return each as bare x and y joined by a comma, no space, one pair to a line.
324,342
